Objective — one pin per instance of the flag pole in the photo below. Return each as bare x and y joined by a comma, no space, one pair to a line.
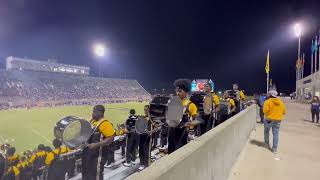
267,82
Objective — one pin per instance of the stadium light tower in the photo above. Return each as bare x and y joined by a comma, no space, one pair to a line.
100,51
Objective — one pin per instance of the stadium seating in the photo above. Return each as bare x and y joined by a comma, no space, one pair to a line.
33,86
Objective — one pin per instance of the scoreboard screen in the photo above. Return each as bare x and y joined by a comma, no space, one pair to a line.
34,65
197,85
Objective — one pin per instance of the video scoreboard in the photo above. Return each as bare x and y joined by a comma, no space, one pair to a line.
197,85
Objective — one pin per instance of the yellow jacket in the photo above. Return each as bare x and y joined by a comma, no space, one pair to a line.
274,109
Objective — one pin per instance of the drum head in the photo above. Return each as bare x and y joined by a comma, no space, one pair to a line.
3,164
174,111
73,131
141,125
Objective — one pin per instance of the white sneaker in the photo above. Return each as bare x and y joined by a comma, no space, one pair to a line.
126,164
110,165
141,168
134,163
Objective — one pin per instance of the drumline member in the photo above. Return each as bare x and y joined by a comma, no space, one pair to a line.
13,172
238,97
209,119
132,140
57,168
94,156
226,112
178,136
145,141
25,169
37,161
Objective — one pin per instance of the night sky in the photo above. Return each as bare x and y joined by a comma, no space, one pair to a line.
156,42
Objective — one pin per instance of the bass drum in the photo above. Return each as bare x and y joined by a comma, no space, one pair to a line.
141,125
3,164
166,110
73,131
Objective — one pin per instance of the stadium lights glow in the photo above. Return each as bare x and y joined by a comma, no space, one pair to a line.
297,29
99,50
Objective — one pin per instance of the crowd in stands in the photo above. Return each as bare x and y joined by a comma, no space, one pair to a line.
33,87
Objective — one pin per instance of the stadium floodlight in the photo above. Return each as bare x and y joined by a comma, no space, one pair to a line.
297,30
99,50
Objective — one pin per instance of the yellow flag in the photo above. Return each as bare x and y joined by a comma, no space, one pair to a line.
267,64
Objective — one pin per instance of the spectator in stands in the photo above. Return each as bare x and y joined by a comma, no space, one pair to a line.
315,105
274,111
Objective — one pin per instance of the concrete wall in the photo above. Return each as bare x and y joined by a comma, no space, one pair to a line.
211,156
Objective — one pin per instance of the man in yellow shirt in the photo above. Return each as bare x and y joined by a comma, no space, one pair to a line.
208,118
94,156
178,136
227,107
274,111
57,167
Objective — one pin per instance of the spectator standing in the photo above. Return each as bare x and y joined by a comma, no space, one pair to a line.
274,111
261,101
315,105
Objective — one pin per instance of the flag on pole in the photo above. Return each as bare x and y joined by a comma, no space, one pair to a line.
267,68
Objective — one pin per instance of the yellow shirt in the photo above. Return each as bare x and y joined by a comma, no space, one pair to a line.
232,103
50,156
193,110
13,158
216,100
37,155
105,127
242,96
22,164
15,170
274,109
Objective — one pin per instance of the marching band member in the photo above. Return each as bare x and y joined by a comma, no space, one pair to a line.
57,167
37,161
178,136
145,142
238,97
24,168
132,140
227,112
13,172
94,157
209,120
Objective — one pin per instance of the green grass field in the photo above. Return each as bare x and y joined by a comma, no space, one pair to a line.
25,129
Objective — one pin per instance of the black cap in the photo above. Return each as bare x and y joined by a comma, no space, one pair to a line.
99,108
132,111
56,143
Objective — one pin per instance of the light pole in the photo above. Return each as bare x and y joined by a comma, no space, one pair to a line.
99,50
298,30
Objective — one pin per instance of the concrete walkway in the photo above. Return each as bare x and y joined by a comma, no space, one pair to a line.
299,150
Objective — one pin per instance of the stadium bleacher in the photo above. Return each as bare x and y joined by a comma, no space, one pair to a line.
20,86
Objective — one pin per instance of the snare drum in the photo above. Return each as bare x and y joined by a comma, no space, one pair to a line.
73,131
166,110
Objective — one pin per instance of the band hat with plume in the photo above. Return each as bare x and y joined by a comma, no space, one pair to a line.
184,84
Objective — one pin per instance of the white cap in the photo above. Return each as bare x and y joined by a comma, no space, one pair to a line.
273,93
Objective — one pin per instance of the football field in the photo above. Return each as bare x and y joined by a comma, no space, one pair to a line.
25,129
